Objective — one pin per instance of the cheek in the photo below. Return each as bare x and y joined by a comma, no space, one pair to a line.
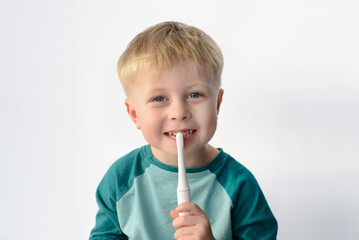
150,126
207,118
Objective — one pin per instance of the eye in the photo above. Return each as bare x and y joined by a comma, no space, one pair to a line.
158,99
194,95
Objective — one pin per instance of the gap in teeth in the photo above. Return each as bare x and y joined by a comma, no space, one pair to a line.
185,134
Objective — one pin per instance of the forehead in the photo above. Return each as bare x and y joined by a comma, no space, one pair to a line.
186,70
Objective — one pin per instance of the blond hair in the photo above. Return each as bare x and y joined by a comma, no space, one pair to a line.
166,44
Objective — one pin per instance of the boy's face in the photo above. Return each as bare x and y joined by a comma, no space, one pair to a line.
182,99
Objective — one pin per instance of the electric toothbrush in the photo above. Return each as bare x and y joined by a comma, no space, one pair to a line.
183,191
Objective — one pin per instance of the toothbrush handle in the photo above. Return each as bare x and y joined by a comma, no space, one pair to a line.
183,195
183,192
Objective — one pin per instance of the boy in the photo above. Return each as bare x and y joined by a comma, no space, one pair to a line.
171,74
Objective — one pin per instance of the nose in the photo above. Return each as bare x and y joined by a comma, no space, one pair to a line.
179,111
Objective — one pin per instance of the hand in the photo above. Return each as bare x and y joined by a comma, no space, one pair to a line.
193,226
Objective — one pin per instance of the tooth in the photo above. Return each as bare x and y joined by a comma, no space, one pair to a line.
185,134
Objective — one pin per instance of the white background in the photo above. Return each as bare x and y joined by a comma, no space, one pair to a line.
290,110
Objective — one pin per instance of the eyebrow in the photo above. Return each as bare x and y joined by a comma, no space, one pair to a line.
198,85
154,91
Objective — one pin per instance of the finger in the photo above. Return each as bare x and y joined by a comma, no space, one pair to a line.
174,214
185,221
184,232
190,207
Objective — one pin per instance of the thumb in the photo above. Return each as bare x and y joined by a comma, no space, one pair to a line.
174,214
190,207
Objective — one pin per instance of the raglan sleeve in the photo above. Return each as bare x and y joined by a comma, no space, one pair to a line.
252,217
107,224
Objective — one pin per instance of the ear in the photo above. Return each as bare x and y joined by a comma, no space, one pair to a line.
132,112
219,99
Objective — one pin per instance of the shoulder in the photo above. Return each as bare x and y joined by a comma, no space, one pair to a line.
121,174
129,160
233,176
231,169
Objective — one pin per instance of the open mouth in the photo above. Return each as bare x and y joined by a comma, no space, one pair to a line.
186,134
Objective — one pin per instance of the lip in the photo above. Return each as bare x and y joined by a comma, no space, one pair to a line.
185,139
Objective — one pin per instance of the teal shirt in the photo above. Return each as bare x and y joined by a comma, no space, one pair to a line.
138,192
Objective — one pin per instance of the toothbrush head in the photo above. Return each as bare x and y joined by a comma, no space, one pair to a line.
179,140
